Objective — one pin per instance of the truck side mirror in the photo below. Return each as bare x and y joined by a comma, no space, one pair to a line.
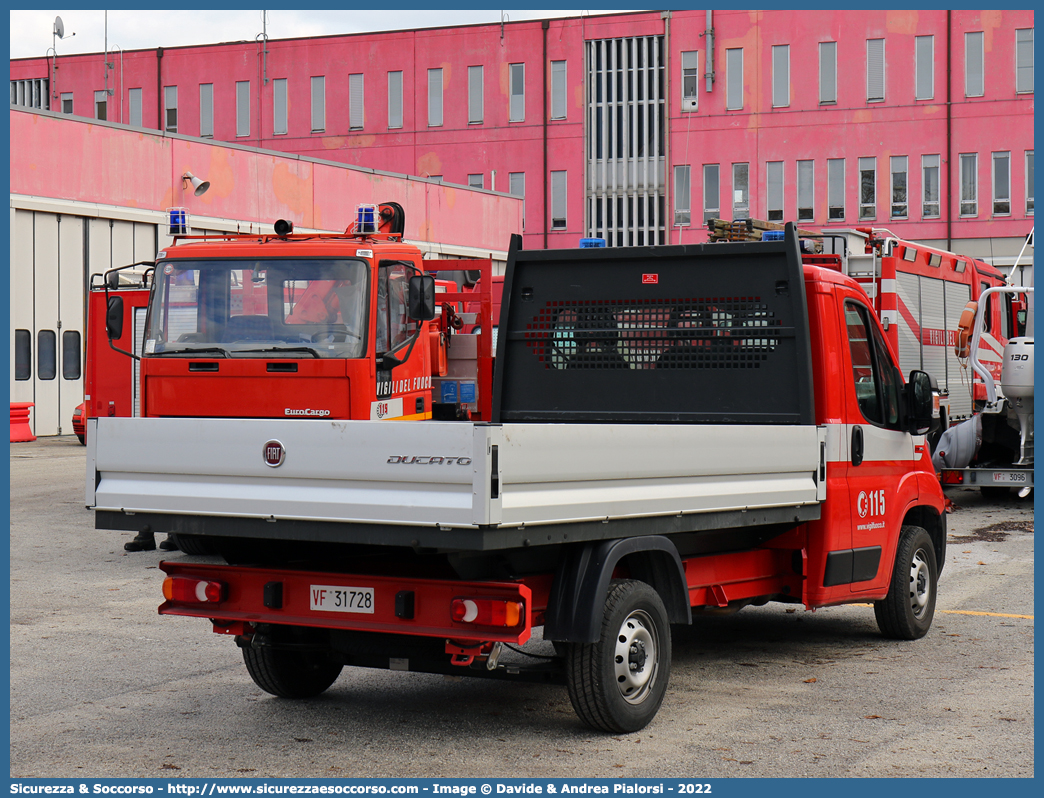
920,403
114,318
421,298
112,279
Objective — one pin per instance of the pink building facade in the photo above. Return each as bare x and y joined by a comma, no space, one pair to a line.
632,127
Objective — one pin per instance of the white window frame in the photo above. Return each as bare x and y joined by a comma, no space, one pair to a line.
66,95
682,195
741,190
101,98
931,165
394,99
690,76
871,94
559,89
899,165
828,59
775,214
712,211
559,200
833,164
435,97
477,180
1024,75
970,38
169,93
206,110
867,210
242,108
516,92
476,80
317,98
356,101
921,64
514,179
973,200
279,106
733,78
134,107
1029,169
806,203
781,89
999,201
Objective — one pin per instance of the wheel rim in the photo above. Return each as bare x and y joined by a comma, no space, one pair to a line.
920,583
636,657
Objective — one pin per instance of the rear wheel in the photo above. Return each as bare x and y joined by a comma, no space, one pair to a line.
617,684
907,611
290,674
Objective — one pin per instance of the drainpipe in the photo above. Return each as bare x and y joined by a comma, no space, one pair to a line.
545,24
159,87
949,141
708,67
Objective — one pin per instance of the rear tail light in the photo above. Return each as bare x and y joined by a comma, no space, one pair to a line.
486,612
194,591
952,478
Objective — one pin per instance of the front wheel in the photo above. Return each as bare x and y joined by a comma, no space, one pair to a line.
907,611
617,684
290,674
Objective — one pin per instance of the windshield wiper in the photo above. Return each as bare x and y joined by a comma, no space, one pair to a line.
313,352
194,351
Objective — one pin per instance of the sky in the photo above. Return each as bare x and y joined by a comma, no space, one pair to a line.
132,30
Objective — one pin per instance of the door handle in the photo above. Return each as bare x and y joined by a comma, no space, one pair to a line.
857,445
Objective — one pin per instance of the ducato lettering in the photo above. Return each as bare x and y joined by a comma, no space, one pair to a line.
430,460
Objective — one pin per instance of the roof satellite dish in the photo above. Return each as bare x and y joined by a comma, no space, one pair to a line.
59,28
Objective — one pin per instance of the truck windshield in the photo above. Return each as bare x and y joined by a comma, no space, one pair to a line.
259,308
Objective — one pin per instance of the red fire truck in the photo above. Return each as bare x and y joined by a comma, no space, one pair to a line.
672,429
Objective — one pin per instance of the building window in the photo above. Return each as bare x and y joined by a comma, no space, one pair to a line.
71,349
924,67
930,181
23,348
868,188
1029,182
279,107
134,103
356,105
170,109
711,191
206,110
33,93
734,79
1024,60
806,190
835,188
434,97
774,190
475,109
46,355
741,191
1002,184
682,196
67,102
780,76
242,107
827,72
100,103
318,85
900,203
558,200
974,82
517,188
875,70
518,94
559,106
394,99
690,80
969,184
476,181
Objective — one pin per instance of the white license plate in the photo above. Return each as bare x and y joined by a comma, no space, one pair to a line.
1009,476
338,598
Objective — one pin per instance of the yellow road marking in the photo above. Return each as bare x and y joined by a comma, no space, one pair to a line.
968,612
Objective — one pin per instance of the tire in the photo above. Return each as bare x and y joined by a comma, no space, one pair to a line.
192,544
617,684
290,674
907,611
82,439
995,492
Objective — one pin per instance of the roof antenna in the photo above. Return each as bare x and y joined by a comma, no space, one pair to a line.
503,16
